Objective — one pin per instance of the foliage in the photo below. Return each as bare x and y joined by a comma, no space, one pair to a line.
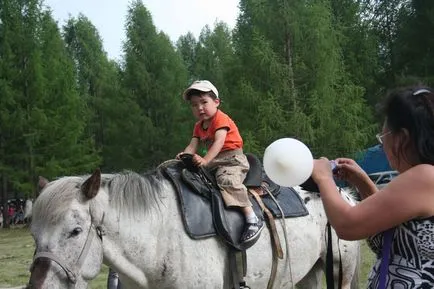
153,76
43,117
313,70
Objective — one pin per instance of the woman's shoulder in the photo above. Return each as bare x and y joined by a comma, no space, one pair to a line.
419,182
424,173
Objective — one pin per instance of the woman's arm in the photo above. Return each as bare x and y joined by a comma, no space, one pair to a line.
410,195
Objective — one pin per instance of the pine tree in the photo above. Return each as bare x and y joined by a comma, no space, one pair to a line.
414,62
154,77
186,47
64,146
291,63
42,117
112,112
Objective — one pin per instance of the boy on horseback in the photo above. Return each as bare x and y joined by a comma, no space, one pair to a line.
219,134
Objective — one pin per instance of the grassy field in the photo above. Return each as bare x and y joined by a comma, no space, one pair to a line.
17,246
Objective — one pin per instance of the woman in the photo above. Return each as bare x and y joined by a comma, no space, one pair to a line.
405,207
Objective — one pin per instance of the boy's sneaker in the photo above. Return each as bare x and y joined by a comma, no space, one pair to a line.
252,231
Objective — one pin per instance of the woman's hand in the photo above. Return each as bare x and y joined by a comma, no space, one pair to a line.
321,170
348,170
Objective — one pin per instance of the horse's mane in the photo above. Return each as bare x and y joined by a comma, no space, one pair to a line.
351,194
129,192
53,203
133,194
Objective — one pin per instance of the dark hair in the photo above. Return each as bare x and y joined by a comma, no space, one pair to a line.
195,92
412,108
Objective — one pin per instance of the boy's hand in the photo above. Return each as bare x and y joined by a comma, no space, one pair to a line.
178,156
199,161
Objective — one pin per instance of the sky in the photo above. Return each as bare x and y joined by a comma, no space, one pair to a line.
174,17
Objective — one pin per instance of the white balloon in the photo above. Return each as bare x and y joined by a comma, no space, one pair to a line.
288,162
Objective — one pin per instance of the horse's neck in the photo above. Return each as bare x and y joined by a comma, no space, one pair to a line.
139,240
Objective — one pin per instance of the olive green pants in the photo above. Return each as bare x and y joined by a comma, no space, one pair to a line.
230,169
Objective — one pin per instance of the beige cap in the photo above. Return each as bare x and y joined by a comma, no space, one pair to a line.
201,85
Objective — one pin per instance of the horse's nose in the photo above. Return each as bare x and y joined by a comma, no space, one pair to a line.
31,285
39,271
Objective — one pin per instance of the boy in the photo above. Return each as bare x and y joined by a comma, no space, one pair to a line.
224,156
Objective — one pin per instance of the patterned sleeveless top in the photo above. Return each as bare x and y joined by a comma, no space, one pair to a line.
411,257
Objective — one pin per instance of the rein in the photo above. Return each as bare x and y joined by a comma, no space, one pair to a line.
72,271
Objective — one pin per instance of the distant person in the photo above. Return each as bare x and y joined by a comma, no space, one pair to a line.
397,220
19,215
1,217
11,213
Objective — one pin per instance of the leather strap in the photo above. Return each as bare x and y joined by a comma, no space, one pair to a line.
276,247
234,269
385,256
70,272
329,262
285,235
271,222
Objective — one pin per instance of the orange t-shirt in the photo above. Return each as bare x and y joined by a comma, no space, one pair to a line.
219,121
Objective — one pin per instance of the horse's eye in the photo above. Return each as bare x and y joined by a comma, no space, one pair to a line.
75,232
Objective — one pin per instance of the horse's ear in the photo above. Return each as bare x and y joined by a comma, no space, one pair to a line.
91,186
42,183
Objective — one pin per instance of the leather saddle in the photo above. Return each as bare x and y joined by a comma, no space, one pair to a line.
203,209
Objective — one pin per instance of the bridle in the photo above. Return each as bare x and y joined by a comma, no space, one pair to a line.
73,270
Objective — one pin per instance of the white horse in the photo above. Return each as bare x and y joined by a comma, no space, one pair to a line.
132,223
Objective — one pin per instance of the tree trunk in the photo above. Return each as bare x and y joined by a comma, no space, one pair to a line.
290,69
289,55
4,201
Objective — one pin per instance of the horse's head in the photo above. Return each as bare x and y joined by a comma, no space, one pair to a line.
66,228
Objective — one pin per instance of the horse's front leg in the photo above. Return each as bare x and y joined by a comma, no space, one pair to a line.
350,256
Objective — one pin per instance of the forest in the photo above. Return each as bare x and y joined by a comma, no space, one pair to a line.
315,70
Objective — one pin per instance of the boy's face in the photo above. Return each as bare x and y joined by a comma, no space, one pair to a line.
204,107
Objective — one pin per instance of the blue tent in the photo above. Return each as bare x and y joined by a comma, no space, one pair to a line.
373,160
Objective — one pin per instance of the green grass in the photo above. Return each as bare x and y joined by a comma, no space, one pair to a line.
17,246
367,260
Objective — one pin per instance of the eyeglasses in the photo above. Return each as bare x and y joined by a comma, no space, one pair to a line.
420,91
380,136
